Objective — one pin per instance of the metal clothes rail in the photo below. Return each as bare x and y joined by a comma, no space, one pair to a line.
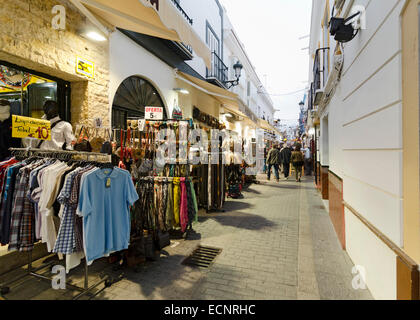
60,155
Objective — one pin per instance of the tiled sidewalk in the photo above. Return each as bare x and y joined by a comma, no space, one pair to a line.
278,243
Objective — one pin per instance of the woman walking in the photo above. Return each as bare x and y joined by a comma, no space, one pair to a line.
297,160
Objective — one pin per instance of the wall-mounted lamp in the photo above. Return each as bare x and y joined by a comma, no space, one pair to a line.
238,70
94,35
345,30
181,90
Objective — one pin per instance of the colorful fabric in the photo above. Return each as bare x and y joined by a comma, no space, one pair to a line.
170,217
177,201
183,214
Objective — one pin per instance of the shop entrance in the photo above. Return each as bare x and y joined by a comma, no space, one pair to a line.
27,91
133,95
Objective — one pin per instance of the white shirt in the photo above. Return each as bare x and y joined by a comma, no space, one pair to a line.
307,153
60,134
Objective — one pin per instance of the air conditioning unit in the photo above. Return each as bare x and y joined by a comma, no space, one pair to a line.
318,95
333,78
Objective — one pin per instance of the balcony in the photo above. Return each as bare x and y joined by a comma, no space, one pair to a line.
178,6
218,74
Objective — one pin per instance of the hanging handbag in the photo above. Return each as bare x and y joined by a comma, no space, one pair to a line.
149,246
97,142
83,144
137,150
107,145
162,240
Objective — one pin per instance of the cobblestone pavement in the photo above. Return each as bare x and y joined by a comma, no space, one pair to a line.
278,243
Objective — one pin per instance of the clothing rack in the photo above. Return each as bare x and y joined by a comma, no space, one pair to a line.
86,289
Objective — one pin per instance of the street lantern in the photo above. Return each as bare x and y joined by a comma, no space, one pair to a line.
238,71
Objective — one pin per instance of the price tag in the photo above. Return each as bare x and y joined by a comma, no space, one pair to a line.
25,127
153,113
97,123
142,124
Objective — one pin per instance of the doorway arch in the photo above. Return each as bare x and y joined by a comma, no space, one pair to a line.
132,96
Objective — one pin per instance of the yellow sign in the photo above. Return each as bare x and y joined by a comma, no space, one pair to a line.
85,67
25,127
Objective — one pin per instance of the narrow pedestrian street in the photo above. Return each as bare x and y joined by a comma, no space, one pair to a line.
278,243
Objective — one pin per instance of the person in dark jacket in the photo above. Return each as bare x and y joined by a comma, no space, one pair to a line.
273,160
286,155
6,139
298,161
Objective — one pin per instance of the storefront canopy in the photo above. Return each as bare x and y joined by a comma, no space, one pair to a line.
229,100
222,95
158,18
264,124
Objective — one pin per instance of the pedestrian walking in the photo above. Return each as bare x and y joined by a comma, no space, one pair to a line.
286,155
308,160
273,161
297,160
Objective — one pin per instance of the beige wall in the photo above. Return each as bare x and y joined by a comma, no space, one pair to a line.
27,39
410,85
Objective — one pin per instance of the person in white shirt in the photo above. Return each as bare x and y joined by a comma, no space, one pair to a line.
62,137
308,160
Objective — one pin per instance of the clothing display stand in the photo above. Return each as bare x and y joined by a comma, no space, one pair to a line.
60,155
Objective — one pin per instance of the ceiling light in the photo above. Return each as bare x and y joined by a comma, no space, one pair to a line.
95,36
228,115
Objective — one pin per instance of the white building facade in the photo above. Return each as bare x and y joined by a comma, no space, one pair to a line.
365,127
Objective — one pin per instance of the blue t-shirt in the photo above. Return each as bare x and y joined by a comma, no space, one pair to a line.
105,199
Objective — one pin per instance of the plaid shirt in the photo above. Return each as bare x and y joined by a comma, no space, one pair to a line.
66,243
74,201
22,235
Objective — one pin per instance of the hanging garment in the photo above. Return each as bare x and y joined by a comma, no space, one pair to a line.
183,214
170,217
105,199
194,199
177,201
190,202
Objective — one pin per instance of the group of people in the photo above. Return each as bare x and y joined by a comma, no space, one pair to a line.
281,157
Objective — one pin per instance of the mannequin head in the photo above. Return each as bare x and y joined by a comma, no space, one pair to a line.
4,110
51,109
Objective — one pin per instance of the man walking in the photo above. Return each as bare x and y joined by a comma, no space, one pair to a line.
286,155
273,160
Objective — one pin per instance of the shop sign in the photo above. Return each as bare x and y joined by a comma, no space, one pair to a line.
25,127
153,113
85,67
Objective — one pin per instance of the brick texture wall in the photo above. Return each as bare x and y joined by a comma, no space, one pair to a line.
27,39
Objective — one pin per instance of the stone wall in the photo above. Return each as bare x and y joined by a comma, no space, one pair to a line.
27,39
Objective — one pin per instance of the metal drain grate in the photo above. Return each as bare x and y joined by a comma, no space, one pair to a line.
202,257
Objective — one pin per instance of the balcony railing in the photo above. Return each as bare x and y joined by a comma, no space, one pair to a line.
182,11
317,88
218,70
